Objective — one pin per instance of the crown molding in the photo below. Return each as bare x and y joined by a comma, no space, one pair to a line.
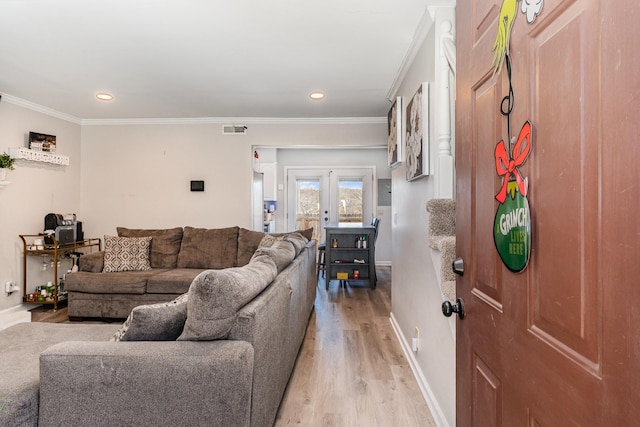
40,108
194,120
238,121
424,26
419,36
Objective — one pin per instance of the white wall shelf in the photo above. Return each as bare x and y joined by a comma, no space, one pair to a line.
38,156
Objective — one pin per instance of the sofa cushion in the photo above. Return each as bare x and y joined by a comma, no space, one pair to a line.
124,282
165,244
126,254
173,281
280,250
249,240
19,363
215,297
92,262
208,248
155,322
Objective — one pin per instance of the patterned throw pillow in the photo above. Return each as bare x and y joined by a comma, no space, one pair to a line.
155,322
126,254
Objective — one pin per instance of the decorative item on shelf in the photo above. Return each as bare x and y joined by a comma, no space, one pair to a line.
42,142
342,275
6,163
356,274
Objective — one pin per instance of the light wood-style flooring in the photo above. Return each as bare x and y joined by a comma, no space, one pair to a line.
351,370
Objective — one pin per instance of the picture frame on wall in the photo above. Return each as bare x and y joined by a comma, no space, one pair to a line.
42,142
394,134
416,139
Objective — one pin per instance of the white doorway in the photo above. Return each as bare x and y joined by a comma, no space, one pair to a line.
318,196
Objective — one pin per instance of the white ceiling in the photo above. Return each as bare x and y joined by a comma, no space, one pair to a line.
206,58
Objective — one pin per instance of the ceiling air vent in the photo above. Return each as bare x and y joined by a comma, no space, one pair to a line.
234,130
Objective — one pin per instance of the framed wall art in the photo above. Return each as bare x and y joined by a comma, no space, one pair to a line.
42,142
417,134
394,134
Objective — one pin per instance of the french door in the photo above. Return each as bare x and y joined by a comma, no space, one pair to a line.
318,196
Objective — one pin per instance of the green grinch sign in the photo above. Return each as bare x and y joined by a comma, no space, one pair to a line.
512,224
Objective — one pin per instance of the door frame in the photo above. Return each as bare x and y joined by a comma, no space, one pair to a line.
374,189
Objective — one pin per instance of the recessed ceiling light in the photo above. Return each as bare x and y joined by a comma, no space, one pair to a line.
104,96
316,96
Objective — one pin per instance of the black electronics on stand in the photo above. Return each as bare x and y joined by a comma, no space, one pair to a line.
65,228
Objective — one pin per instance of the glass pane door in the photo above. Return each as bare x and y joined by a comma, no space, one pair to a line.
307,212
350,207
307,201
316,197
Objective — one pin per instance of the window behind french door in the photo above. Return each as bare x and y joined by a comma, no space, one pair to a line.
316,197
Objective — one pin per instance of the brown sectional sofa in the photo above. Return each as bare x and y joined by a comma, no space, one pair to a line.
177,255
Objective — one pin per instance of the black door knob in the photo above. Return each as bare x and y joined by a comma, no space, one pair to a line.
458,266
448,309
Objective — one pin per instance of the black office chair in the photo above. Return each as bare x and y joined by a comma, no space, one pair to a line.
375,222
322,262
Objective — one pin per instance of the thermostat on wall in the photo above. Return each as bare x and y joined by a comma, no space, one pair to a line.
197,185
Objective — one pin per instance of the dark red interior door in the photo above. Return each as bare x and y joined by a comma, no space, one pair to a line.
556,344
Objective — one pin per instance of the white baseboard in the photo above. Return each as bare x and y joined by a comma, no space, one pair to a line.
17,314
427,393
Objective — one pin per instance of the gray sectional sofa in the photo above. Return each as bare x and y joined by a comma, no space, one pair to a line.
220,354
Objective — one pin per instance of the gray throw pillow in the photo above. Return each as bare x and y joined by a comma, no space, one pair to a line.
279,249
298,241
215,296
155,322
92,262
249,240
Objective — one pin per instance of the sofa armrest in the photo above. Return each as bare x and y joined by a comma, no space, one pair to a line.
92,262
146,383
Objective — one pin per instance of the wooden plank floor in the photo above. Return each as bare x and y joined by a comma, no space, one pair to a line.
45,313
351,370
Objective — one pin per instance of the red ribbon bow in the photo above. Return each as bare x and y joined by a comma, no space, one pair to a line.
507,167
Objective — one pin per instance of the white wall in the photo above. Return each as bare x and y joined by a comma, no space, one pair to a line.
416,297
138,175
36,189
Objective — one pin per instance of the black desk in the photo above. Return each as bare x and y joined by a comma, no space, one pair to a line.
344,256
